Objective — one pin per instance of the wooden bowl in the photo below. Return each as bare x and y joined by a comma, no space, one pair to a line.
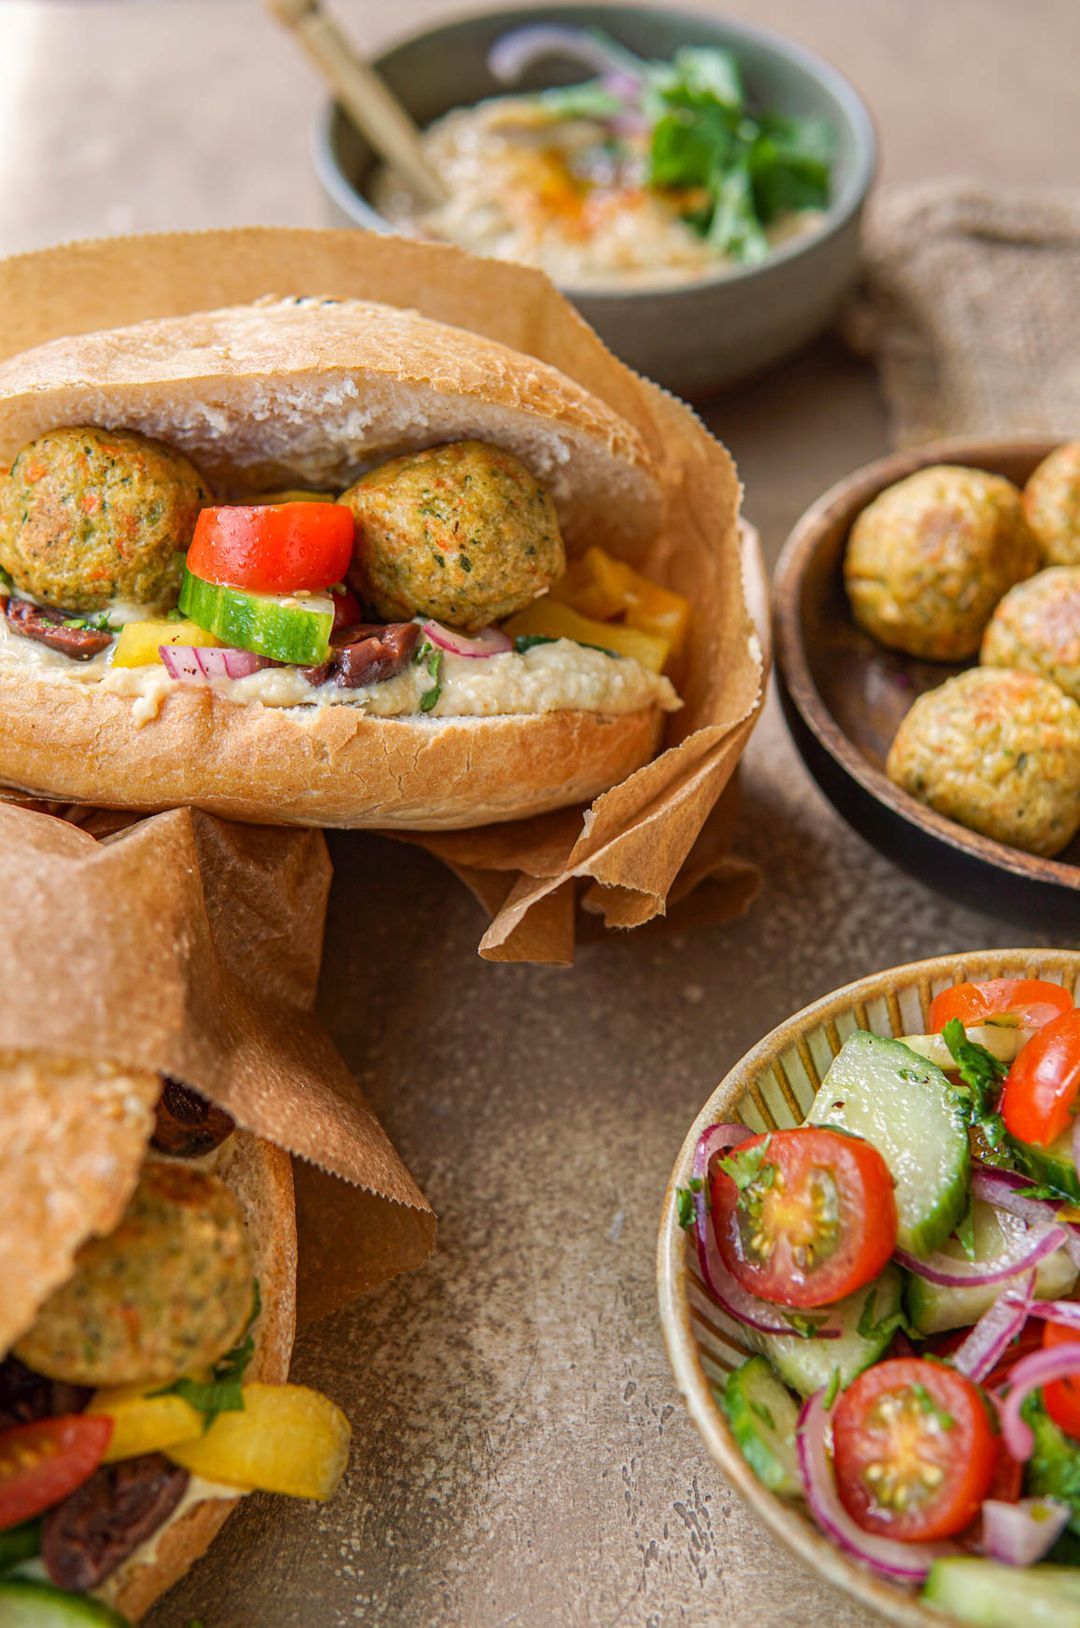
844,696
772,1088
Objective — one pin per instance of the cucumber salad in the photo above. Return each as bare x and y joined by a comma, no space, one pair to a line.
903,1265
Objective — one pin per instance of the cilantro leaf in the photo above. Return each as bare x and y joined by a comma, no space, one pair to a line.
222,1392
747,1167
885,1327
684,1206
833,1390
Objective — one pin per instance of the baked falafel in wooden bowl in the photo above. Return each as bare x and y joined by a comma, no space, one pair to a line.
927,616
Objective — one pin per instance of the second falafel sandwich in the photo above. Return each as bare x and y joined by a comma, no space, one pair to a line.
307,561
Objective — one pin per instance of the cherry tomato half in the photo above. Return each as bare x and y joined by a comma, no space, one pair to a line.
810,1218
1042,1085
1031,1001
914,1450
278,548
1062,1396
348,611
41,1463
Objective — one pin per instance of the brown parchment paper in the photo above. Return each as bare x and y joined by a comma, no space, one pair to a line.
624,854
185,944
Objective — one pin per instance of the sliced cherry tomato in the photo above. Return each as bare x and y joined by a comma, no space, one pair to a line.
1042,1085
1061,1397
348,611
1030,1001
41,1463
279,548
1028,1340
914,1450
807,1217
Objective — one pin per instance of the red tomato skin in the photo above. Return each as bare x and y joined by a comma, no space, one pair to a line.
278,548
1033,1002
867,1219
63,1453
348,611
967,1452
1042,1085
1061,1397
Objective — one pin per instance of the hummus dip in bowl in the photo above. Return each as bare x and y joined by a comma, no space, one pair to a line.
675,310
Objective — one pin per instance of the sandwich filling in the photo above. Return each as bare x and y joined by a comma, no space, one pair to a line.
437,585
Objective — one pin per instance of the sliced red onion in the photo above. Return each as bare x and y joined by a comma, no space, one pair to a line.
196,663
988,1341
730,1295
490,641
1029,1249
515,52
1030,1374
1020,1534
901,1562
1066,1312
1007,1190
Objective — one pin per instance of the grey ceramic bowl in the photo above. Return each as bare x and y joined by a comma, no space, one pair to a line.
695,338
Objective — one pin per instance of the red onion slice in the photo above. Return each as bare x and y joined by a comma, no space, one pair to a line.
988,1341
490,641
1007,1190
1020,1534
515,52
730,1295
1030,1374
901,1562
197,664
1028,1250
1066,1312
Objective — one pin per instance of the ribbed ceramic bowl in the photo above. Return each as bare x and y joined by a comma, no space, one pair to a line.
697,337
772,1088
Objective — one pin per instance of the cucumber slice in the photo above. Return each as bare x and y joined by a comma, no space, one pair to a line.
905,1107
293,629
995,1596
1053,1166
38,1605
933,1309
1053,1470
807,1365
763,1416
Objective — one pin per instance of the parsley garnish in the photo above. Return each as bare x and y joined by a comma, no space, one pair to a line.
746,1167
430,657
833,1390
893,1322
805,1327
222,1392
981,1073
529,641
684,1206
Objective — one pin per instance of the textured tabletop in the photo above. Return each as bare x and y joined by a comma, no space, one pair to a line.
521,1456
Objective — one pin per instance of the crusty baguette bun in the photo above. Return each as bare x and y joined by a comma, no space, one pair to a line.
261,1177
310,392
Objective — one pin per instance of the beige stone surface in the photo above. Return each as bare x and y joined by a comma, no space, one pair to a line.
521,1455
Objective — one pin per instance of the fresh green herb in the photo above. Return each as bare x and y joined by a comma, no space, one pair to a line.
434,665
747,1168
965,1232
6,580
222,1392
684,1206
807,1328
833,1390
764,1414
529,641
19,1544
868,1329
928,1405
981,1074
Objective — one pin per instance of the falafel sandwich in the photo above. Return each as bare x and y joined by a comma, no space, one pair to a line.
307,561
144,1339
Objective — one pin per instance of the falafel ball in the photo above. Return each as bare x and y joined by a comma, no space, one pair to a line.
461,532
1052,505
929,559
1036,627
999,752
88,516
166,1294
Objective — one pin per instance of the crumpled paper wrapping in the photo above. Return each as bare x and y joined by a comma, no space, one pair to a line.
969,307
625,854
185,944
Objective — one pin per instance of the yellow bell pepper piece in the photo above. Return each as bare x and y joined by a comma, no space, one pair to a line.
138,643
142,1423
602,586
548,618
287,1439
